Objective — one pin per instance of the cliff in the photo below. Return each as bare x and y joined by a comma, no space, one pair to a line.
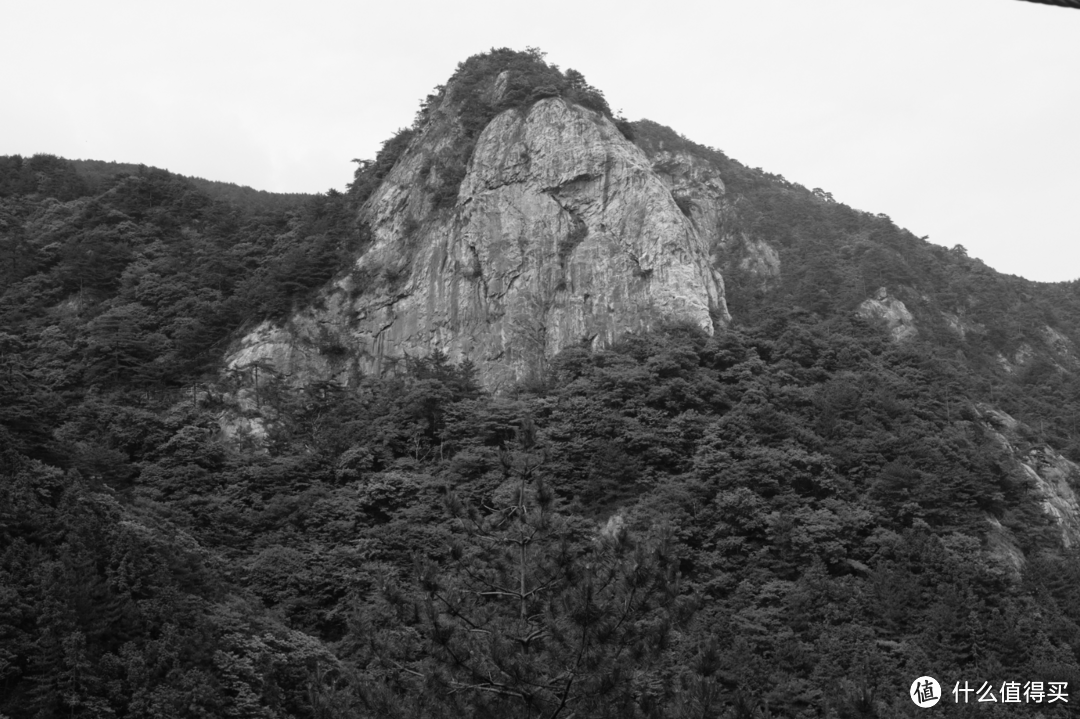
561,233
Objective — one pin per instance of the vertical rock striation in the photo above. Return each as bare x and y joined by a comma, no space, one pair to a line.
562,233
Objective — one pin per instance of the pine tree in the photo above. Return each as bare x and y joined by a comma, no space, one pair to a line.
529,615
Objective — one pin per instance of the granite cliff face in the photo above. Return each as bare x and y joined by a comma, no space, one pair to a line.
701,194
562,233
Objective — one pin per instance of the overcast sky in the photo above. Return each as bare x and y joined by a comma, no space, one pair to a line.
957,118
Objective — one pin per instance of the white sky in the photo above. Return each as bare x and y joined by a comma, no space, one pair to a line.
957,118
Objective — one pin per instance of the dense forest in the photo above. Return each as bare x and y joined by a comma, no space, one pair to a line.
793,517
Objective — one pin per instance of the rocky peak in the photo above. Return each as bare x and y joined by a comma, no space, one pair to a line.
555,230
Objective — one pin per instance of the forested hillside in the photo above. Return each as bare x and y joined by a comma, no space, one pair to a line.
793,517
1013,339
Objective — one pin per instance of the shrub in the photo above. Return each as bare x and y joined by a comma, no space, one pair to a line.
528,80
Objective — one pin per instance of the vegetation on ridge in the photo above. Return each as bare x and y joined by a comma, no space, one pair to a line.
144,280
473,101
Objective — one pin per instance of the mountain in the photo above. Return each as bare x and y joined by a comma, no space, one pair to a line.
549,414
250,200
68,179
555,232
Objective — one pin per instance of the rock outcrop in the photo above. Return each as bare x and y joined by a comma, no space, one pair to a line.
892,311
701,194
562,233
961,326
1054,478
697,187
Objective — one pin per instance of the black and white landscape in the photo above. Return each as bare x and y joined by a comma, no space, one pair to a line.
548,414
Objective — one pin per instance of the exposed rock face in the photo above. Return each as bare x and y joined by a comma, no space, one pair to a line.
700,193
277,350
1017,360
562,233
961,326
1055,478
892,311
697,188
1063,348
